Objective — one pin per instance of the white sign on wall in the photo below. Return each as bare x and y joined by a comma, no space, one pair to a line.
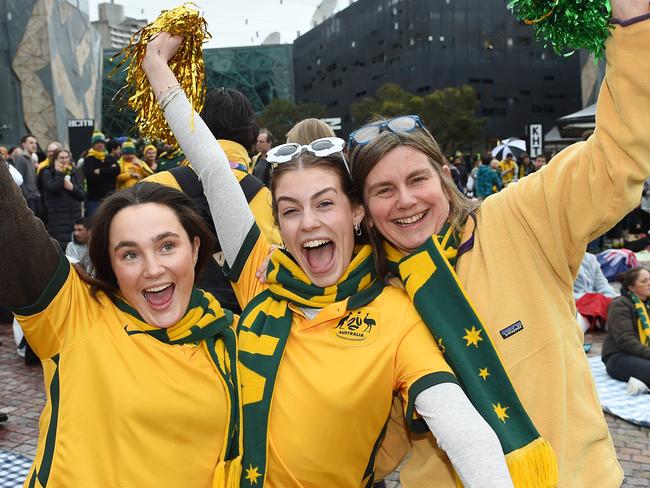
535,140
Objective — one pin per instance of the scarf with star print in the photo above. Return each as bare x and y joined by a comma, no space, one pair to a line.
430,280
263,331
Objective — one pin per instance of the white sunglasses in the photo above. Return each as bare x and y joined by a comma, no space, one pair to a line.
325,146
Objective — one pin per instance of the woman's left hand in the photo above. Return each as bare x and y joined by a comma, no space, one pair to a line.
163,47
260,274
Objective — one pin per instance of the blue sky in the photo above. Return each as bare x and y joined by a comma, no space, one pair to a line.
235,23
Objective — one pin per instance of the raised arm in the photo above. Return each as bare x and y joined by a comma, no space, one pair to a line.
232,216
29,257
589,186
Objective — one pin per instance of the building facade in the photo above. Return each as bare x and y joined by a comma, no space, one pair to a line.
261,73
114,28
50,70
423,45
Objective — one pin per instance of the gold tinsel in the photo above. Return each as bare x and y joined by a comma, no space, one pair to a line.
187,65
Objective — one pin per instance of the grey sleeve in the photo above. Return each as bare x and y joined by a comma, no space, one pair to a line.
232,216
470,444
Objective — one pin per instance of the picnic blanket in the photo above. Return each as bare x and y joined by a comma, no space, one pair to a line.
614,400
13,469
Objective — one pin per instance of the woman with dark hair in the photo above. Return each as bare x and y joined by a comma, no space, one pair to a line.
324,345
626,350
139,365
63,196
505,270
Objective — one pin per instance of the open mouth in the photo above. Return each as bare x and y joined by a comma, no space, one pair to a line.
414,219
159,296
319,254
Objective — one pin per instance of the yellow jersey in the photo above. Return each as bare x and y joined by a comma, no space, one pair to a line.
336,383
122,409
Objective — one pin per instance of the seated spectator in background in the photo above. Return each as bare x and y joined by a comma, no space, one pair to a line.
171,157
100,171
132,169
508,170
77,249
626,350
149,156
63,197
592,294
487,180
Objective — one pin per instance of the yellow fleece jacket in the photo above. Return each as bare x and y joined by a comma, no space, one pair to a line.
529,241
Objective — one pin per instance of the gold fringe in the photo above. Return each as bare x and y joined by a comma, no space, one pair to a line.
227,474
187,65
533,466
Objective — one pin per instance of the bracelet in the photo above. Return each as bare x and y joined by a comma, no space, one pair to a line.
165,91
168,95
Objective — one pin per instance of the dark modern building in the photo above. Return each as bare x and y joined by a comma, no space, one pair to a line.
262,73
423,45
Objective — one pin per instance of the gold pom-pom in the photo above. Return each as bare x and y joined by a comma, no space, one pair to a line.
187,65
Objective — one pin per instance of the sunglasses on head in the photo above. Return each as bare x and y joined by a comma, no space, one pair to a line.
403,123
319,148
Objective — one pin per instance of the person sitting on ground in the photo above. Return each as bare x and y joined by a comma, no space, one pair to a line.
592,293
626,350
132,169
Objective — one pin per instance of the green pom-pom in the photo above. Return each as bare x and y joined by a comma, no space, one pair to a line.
567,25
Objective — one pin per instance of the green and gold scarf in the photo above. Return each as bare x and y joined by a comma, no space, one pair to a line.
210,326
263,331
642,319
101,155
430,280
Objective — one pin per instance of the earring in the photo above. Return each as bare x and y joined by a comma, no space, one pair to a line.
357,229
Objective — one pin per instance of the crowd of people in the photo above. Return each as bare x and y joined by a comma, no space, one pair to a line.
389,307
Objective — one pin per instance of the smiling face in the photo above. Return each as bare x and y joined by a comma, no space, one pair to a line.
153,260
316,220
405,199
150,155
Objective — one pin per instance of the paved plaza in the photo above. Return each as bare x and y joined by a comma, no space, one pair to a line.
22,396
